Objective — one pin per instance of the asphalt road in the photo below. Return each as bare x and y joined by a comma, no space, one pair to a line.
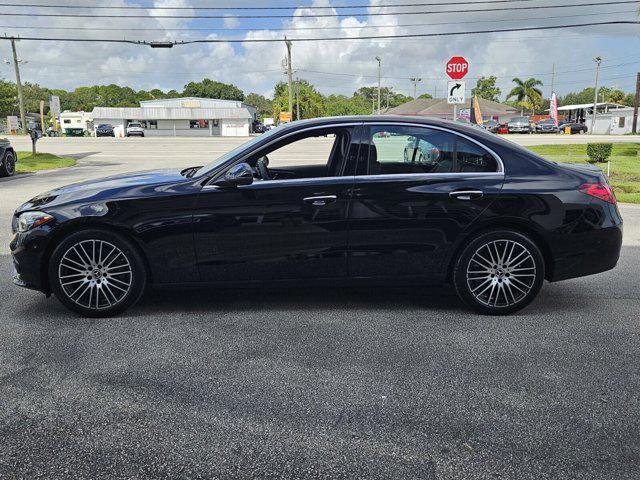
328,383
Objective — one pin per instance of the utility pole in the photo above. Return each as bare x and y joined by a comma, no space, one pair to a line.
16,65
636,103
415,81
598,61
297,99
553,78
378,59
288,43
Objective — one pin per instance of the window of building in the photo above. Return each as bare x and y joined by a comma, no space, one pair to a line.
621,122
66,120
150,124
215,122
198,123
398,149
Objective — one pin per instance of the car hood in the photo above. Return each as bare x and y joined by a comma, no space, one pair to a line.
100,190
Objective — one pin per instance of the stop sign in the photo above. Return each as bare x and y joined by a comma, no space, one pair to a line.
457,68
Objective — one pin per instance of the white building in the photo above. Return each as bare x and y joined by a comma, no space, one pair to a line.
614,122
83,120
186,117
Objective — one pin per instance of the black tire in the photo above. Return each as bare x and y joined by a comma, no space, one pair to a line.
476,281
8,164
116,287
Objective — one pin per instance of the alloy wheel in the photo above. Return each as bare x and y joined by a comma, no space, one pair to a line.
10,163
95,274
501,273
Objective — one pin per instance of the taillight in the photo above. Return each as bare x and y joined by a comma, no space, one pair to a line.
599,190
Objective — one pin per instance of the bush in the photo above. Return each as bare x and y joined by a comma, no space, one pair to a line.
599,152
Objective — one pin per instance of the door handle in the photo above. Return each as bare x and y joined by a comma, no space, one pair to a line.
466,194
320,201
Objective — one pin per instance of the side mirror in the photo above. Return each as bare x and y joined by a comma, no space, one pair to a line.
240,174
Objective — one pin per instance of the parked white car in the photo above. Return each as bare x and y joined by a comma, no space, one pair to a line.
135,128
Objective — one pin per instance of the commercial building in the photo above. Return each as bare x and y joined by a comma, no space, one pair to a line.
188,116
618,121
439,108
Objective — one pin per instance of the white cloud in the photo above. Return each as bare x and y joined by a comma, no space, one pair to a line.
333,66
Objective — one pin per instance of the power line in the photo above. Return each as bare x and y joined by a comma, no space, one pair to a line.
359,27
293,7
169,44
324,15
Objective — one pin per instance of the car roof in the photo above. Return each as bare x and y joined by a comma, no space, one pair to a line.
479,134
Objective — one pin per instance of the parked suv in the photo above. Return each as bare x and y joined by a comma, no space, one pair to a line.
135,128
105,130
8,158
519,125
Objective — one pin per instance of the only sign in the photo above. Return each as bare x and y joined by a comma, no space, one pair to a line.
457,68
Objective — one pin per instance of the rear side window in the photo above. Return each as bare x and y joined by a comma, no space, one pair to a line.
400,149
470,157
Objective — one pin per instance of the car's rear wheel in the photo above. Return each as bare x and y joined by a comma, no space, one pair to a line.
8,164
499,272
97,273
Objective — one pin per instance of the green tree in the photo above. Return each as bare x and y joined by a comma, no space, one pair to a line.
8,98
527,94
340,105
425,95
486,88
387,96
312,103
208,88
264,106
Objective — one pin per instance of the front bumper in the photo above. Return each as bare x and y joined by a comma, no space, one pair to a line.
28,251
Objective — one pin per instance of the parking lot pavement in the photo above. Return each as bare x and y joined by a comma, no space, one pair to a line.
329,383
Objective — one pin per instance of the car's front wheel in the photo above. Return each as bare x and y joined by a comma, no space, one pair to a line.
499,272
97,273
8,164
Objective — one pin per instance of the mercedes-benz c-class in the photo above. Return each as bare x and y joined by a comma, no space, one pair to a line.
379,200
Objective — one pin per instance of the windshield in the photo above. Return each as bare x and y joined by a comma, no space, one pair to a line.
520,119
547,121
236,151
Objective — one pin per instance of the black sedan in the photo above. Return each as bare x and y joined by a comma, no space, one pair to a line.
104,130
8,158
575,127
546,126
488,216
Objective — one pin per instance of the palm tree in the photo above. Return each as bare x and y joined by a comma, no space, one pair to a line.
527,94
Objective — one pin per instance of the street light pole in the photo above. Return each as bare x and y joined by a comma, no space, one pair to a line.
415,81
16,66
288,43
598,61
378,59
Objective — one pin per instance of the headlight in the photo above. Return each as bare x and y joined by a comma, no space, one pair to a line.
29,220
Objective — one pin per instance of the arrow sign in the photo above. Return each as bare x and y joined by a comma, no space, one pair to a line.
456,91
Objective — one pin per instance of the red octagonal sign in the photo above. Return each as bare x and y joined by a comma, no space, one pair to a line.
457,68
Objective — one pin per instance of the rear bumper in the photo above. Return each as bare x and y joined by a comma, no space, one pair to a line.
600,252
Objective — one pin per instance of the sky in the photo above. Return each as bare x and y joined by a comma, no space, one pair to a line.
334,67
